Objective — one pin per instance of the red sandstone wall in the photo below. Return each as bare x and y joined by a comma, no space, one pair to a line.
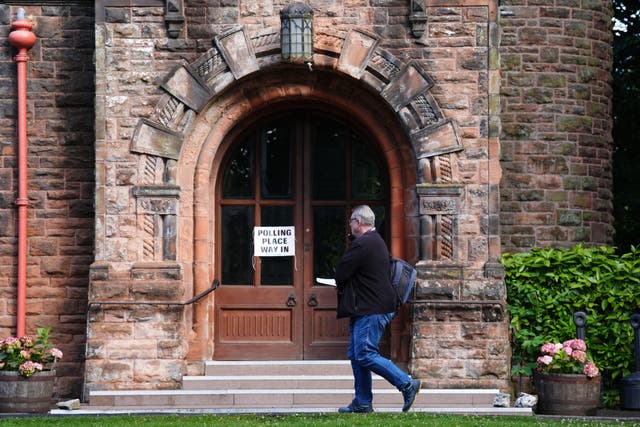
61,179
556,139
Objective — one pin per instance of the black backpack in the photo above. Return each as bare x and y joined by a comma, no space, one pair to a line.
403,279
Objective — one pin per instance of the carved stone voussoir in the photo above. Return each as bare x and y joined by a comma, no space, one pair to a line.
187,86
412,81
237,50
356,52
441,138
155,139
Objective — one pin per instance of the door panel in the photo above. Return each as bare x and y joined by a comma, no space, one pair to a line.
255,325
325,336
302,169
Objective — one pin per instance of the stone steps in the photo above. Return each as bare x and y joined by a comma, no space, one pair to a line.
286,386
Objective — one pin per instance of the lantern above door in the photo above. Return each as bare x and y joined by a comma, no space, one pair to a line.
296,33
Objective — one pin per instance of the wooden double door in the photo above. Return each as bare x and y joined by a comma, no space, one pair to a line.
304,169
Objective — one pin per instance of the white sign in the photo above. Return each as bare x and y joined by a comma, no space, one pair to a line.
274,241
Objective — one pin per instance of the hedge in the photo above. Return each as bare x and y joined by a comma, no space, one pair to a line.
545,287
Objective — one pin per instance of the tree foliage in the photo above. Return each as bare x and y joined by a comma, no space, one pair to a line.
626,122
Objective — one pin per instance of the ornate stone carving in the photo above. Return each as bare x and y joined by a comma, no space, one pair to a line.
157,208
412,81
439,206
187,86
174,18
237,50
152,138
356,52
417,18
437,139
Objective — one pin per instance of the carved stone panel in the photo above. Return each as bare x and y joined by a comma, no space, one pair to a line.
157,208
412,81
439,207
356,52
152,138
188,88
237,50
437,139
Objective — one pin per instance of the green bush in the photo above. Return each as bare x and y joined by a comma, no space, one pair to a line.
545,287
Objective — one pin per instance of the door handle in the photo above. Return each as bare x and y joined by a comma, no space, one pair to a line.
291,301
313,301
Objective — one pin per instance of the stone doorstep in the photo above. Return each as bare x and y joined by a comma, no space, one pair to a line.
96,410
290,386
283,398
278,367
274,382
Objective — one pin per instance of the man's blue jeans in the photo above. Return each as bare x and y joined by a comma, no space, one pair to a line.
366,332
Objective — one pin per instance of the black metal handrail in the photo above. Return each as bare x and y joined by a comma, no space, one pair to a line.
214,285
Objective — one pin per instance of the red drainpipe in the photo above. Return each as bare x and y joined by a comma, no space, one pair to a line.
22,39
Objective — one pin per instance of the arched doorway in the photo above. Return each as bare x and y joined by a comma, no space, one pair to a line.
305,169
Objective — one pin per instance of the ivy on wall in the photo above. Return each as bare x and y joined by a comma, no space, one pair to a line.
545,287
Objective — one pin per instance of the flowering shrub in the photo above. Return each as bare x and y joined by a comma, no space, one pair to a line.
569,357
28,354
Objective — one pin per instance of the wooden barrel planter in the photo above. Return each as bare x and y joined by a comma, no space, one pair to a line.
567,394
26,395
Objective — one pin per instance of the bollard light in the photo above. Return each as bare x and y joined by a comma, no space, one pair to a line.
296,33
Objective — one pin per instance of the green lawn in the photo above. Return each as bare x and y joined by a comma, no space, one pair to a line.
382,420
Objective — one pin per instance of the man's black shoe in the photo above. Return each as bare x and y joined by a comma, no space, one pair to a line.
355,409
409,393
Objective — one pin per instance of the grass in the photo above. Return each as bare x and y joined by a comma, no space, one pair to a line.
371,420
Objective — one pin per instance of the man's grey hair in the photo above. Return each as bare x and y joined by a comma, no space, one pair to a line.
364,214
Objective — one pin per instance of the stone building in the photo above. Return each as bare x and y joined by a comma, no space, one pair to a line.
162,134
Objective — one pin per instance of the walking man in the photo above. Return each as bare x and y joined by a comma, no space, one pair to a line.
366,296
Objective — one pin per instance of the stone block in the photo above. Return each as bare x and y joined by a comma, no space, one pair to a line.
155,371
356,52
437,139
410,82
188,87
237,50
569,217
155,139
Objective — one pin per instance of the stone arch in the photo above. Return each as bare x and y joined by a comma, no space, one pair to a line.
202,102
404,86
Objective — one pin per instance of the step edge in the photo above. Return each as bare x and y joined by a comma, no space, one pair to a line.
274,362
276,391
269,377
287,410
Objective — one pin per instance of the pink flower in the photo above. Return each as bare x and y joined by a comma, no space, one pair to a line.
56,353
27,341
575,344
590,369
549,348
579,355
545,360
28,354
10,344
29,368
10,340
567,357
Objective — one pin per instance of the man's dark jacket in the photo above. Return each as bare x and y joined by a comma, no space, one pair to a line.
362,277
